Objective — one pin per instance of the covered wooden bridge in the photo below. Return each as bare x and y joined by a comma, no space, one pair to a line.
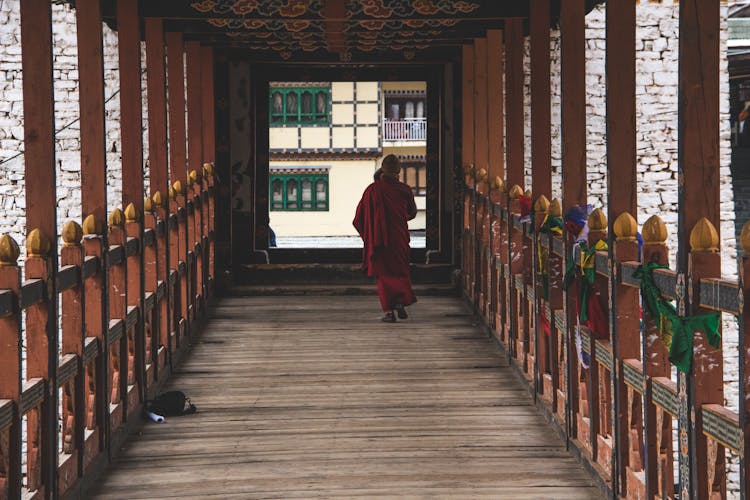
517,394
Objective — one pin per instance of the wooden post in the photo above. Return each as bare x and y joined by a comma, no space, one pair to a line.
194,59
514,101
467,109
495,94
621,198
480,163
10,367
541,141
207,104
157,105
41,218
698,155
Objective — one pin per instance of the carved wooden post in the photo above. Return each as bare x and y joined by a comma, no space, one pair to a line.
96,314
163,266
197,181
707,375
151,317
626,343
73,341
176,251
541,341
208,174
191,256
515,253
136,346
10,369
499,246
657,427
117,339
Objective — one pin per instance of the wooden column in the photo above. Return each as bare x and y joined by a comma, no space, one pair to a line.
514,101
495,93
91,101
622,198
541,141
573,103
467,108
156,86
194,105
698,130
176,78
207,104
480,106
41,220
129,51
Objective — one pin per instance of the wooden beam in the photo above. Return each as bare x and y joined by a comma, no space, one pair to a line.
495,104
621,143
91,102
467,107
156,86
541,139
194,105
514,119
481,149
176,106
573,103
207,85
131,126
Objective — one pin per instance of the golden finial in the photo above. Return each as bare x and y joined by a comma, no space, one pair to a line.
555,208
597,220
704,237
528,193
515,192
208,169
745,239
177,186
157,198
131,213
72,233
482,174
91,226
37,244
9,251
148,205
654,231
116,218
189,182
469,169
171,193
625,227
498,184
541,205
195,176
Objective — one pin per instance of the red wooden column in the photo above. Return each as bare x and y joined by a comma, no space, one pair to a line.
698,130
156,84
178,161
541,142
622,198
514,101
495,93
194,60
207,104
480,163
467,159
41,219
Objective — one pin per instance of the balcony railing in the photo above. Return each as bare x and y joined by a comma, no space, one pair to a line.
409,129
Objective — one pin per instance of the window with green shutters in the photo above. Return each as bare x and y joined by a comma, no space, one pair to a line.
292,192
300,105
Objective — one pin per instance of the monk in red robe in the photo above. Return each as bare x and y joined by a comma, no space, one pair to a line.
381,220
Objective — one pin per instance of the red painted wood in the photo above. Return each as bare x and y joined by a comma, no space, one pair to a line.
156,85
176,106
573,103
194,105
481,148
541,142
495,93
129,51
467,106
10,381
91,101
208,105
621,144
514,102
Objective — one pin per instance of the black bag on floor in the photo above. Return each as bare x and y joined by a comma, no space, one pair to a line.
170,404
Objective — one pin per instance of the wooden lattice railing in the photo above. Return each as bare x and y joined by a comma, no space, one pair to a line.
619,399
129,300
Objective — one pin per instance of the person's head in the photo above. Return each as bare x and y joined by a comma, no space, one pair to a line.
391,166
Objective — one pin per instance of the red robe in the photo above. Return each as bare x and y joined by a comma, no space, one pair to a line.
381,221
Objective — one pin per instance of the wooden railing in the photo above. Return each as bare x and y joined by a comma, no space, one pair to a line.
409,129
129,300
618,411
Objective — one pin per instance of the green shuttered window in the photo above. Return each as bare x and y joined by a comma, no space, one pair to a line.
300,106
293,192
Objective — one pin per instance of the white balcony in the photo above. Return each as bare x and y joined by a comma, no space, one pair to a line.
407,130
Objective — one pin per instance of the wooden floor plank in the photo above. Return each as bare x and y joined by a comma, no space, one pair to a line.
314,397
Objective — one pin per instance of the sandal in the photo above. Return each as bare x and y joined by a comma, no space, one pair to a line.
389,317
399,308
